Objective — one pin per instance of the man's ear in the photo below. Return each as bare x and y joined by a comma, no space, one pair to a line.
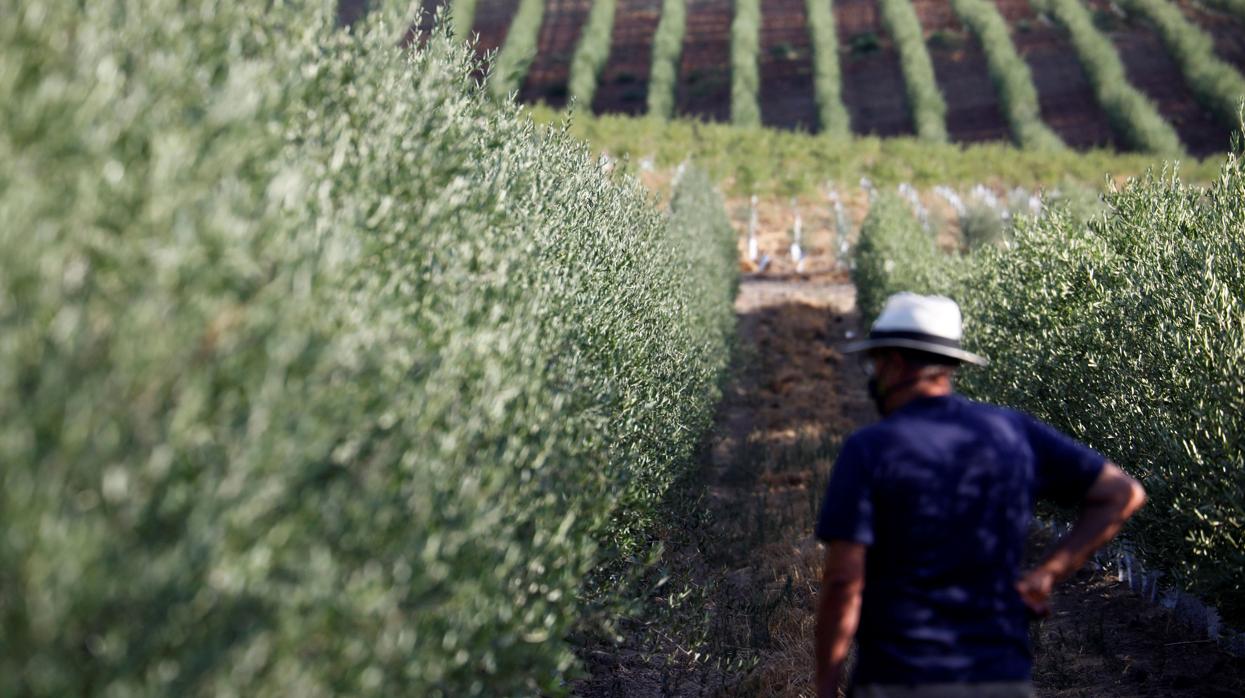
892,360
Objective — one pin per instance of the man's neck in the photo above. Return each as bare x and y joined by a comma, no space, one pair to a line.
923,387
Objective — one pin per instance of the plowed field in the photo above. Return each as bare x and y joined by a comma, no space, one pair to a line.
872,84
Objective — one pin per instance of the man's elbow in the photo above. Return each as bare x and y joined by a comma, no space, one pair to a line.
1116,491
1136,497
1128,496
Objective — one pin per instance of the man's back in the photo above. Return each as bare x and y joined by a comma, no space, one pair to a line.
941,492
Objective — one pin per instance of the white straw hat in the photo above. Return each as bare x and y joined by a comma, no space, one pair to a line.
924,323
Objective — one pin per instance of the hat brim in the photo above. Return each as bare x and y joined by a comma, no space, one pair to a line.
915,344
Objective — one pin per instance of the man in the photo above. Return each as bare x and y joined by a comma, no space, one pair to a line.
925,519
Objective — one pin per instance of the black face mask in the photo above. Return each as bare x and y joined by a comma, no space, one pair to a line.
878,395
875,393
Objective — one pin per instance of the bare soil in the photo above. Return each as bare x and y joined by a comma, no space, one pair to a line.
786,67
1104,640
704,89
873,85
559,34
751,559
623,86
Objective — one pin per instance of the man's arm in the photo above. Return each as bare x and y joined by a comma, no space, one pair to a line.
838,612
1111,500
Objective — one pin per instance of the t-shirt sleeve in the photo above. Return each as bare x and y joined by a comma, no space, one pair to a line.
1065,468
847,508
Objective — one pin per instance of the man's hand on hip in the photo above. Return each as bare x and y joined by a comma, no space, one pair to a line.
1111,500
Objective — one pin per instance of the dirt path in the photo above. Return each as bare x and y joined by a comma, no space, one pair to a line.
750,558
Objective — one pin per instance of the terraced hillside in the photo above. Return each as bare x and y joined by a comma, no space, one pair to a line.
1070,93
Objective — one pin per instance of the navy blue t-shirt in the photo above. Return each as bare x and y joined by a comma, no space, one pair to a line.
942,493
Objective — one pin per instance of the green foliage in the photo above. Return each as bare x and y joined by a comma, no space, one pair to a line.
832,116
1132,115
667,48
325,373
745,74
929,111
787,163
1010,74
1126,333
592,52
894,254
519,50
982,225
1217,85
462,16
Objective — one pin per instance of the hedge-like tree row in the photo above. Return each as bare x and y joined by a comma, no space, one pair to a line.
663,80
325,373
745,73
519,50
929,111
1133,117
463,16
592,53
1217,85
1010,74
832,115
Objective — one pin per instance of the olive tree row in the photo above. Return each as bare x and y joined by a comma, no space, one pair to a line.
1133,117
1010,74
929,110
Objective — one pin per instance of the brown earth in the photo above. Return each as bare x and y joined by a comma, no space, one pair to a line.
623,86
704,88
547,79
735,616
872,82
786,67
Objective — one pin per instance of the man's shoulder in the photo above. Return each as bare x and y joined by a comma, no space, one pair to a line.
963,411
989,408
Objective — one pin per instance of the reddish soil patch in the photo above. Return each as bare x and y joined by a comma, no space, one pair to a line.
559,33
873,85
704,89
492,23
1065,96
623,86
786,65
973,110
1151,70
